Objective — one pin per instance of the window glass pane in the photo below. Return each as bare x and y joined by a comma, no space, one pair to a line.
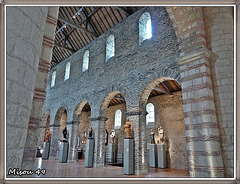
110,47
85,61
53,78
151,113
67,71
118,119
149,29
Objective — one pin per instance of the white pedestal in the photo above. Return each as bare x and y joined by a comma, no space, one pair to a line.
63,152
128,156
89,153
46,148
153,156
161,149
111,153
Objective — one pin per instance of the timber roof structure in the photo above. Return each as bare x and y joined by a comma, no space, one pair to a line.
78,26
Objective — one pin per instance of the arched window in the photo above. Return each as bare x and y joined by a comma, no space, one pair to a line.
118,119
67,71
145,27
53,78
150,118
85,61
110,47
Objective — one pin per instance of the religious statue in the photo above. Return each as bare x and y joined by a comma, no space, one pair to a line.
65,133
106,137
47,135
90,133
112,136
152,137
161,134
127,129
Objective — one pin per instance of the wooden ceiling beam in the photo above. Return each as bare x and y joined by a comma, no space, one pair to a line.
162,91
64,47
77,26
125,10
119,98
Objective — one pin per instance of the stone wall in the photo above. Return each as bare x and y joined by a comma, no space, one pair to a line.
24,33
169,113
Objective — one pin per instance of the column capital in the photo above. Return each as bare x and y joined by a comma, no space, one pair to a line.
196,55
53,125
99,118
136,112
72,122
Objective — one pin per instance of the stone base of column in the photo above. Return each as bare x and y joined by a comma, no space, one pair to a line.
89,153
153,156
161,150
63,152
128,157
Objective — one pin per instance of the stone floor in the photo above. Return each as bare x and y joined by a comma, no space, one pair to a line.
54,169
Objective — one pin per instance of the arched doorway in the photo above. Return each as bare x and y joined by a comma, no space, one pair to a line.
60,122
81,126
113,107
162,100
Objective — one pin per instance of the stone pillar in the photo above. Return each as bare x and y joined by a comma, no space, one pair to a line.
138,126
54,140
218,22
202,135
98,125
39,95
72,128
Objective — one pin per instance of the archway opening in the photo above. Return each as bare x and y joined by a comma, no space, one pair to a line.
114,108
162,100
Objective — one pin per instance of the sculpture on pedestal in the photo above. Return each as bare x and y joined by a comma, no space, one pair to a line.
161,134
65,133
112,136
106,137
127,129
90,133
47,135
152,137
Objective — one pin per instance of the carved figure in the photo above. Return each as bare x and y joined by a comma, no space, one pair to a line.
90,133
127,129
65,133
106,137
47,135
161,134
112,136
152,137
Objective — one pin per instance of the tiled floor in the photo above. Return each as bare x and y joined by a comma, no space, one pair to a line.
54,169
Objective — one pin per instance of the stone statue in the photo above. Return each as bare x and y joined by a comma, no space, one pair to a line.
127,129
152,137
90,133
112,136
65,133
106,137
47,135
161,134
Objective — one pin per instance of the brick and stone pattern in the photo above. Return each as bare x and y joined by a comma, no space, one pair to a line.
219,34
24,32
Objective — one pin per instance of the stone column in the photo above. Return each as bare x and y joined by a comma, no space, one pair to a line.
98,125
138,126
202,135
54,140
72,128
218,22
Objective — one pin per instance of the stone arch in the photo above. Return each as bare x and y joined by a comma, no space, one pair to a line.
106,101
147,90
58,115
78,109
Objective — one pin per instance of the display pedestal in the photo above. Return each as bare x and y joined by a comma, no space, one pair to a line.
89,153
153,156
128,156
111,153
161,155
63,152
46,148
